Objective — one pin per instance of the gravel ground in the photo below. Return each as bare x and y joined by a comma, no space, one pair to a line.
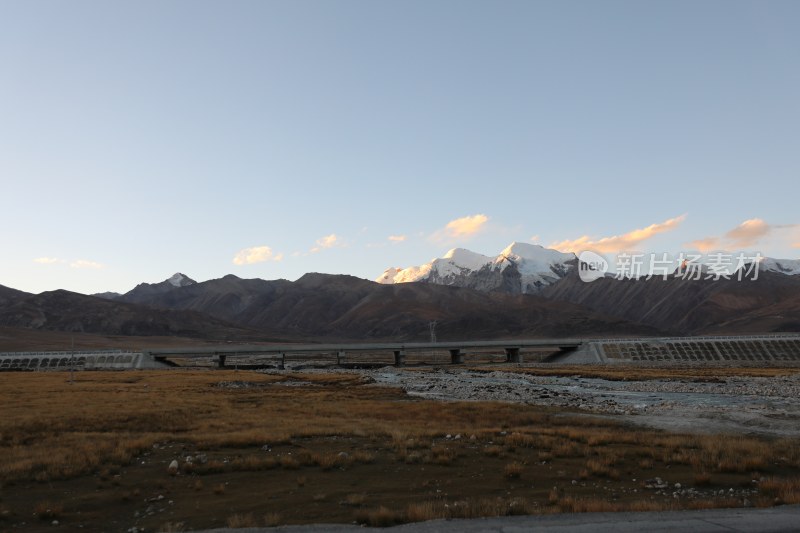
743,405
773,520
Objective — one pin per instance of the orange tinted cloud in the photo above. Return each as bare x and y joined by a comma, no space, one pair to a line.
328,241
460,228
745,235
618,243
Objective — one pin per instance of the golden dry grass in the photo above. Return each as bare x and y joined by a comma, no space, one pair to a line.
241,520
47,510
54,430
513,470
272,519
441,509
785,490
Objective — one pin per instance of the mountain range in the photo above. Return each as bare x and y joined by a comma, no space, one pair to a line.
519,269
525,291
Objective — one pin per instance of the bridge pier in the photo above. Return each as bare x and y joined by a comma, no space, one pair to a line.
340,357
456,356
399,357
221,360
513,355
282,364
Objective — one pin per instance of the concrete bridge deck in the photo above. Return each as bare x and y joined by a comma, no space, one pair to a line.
456,349
767,349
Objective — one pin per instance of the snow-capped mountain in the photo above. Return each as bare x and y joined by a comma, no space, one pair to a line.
143,291
520,268
180,280
790,267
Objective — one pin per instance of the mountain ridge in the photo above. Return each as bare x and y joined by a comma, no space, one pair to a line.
525,291
521,268
316,307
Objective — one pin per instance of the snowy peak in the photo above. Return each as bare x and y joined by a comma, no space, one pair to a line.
180,280
520,268
532,258
143,291
457,261
790,267
462,258
388,275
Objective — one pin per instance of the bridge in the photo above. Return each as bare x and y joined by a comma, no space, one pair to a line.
513,350
750,349
745,349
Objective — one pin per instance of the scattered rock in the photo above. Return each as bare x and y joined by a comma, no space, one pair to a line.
655,483
172,469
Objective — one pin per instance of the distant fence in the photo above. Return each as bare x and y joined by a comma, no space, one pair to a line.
785,349
78,360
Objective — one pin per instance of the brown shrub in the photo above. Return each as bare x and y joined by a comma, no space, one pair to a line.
380,517
513,470
241,520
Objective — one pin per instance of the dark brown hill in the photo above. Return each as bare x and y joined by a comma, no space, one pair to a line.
8,296
224,298
686,307
143,291
322,306
68,311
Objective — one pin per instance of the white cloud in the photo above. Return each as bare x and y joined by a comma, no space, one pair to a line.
48,260
618,243
397,238
328,241
256,254
535,238
460,229
78,263
84,263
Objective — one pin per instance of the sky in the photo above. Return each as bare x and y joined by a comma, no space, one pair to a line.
274,138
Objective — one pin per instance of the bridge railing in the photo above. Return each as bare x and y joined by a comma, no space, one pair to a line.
66,353
702,338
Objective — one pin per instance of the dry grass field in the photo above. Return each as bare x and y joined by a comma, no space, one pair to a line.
258,449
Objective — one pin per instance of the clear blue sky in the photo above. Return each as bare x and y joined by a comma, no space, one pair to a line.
142,138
